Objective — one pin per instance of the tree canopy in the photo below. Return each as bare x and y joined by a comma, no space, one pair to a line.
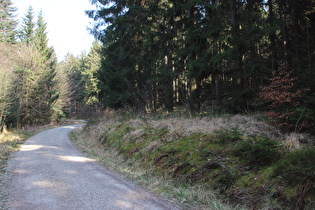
166,54
29,81
7,22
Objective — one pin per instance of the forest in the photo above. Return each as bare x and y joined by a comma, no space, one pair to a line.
36,89
211,101
229,56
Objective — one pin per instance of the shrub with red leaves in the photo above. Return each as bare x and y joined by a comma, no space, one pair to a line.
283,97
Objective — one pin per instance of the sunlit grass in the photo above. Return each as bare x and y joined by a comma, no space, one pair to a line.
11,142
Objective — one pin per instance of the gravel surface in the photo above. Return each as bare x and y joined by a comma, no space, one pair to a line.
49,173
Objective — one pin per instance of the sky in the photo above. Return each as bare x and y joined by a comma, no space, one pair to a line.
66,23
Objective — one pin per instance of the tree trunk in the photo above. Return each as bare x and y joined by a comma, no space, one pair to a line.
169,92
272,36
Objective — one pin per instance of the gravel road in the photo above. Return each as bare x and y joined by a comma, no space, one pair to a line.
49,173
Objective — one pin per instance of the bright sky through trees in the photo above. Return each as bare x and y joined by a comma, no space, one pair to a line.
66,23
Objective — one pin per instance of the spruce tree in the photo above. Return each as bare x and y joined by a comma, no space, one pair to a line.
70,83
24,98
170,53
8,55
7,22
89,74
27,31
47,85
121,72
40,38
25,77
35,92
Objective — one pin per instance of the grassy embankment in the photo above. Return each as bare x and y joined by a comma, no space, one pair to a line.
228,162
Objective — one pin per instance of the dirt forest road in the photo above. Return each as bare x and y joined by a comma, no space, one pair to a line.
49,173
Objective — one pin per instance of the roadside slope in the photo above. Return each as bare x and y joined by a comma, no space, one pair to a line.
228,162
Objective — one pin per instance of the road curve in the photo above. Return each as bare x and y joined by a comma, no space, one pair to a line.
49,173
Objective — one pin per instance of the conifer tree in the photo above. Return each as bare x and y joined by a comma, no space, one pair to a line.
27,31
8,56
89,74
123,41
23,94
170,53
81,77
74,71
26,76
7,22
40,38
47,85
35,90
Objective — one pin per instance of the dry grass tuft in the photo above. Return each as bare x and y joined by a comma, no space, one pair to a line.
247,124
136,122
153,145
9,142
135,134
180,127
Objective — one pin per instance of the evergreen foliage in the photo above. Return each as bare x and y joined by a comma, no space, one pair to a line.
27,31
7,55
7,22
31,87
73,67
164,54
80,76
89,74
24,91
47,84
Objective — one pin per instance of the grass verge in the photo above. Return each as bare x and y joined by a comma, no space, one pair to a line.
206,163
11,142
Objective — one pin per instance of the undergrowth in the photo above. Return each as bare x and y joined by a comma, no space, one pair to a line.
234,159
